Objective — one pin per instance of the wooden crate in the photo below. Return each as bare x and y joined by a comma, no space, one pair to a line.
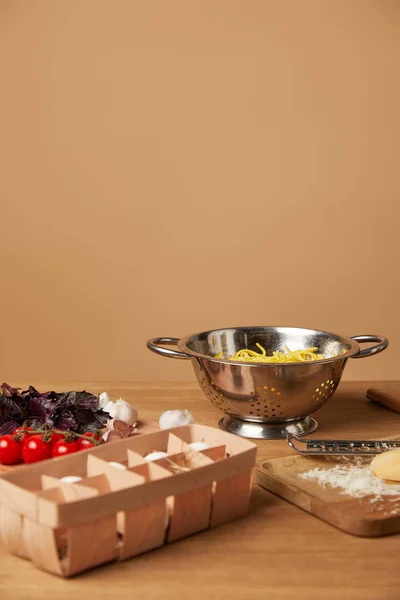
115,514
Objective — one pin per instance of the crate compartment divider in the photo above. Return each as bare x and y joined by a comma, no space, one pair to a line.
114,514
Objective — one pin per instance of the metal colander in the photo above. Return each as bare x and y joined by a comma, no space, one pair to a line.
267,400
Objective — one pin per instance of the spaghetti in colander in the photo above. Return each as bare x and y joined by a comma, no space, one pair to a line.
246,355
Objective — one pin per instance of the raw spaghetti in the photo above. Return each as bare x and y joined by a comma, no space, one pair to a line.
246,355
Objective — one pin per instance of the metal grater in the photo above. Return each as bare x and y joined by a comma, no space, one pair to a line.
341,447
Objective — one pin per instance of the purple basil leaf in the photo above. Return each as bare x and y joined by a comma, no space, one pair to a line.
70,410
88,419
31,392
67,421
67,400
8,427
9,409
7,390
42,410
53,396
86,400
34,423
79,400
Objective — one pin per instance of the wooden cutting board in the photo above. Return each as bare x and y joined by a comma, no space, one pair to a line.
359,517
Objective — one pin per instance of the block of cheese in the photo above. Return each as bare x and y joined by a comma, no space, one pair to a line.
387,465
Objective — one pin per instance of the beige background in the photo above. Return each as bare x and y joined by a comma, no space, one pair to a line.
173,166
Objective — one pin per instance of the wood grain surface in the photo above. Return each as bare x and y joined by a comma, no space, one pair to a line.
278,551
358,516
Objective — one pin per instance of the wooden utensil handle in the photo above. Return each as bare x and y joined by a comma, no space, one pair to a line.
384,399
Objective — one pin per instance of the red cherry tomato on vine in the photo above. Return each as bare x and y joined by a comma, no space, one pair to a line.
62,448
56,437
23,433
10,450
35,449
84,444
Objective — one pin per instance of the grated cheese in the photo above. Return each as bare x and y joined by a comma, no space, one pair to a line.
353,480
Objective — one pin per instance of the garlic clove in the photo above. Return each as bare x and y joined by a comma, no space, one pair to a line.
155,456
110,425
118,430
102,400
123,428
117,465
112,436
199,446
175,418
71,479
108,407
123,411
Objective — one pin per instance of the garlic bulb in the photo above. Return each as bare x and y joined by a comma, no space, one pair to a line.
155,456
199,446
108,407
102,400
71,479
175,418
123,411
117,465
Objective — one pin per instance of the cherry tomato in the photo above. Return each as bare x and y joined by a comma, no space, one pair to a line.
62,448
84,444
23,433
35,449
56,437
10,450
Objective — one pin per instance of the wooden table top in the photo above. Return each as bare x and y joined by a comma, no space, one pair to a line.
277,551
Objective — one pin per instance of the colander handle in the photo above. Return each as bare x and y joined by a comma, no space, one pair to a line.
382,344
157,345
